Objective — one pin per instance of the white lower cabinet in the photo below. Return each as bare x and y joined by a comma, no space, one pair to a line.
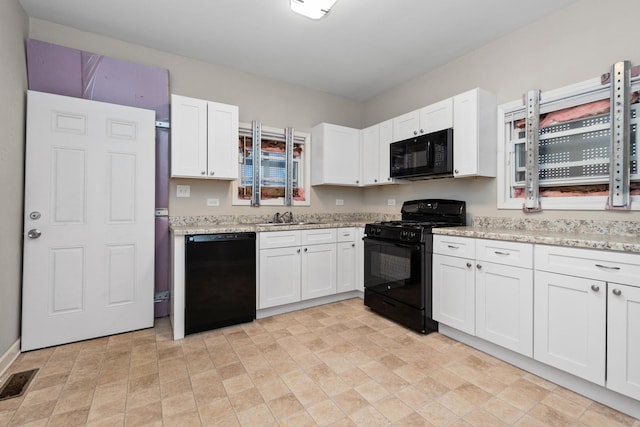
346,260
570,324
504,306
485,288
318,270
300,265
279,276
454,292
623,339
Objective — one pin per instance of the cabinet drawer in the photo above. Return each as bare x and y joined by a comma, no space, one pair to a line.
506,253
618,267
347,234
463,247
279,239
318,236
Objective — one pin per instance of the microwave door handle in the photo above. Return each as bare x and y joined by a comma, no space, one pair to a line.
429,154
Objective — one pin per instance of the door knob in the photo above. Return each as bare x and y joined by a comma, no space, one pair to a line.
34,233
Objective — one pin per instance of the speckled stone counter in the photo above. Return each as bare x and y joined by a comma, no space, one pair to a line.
621,236
182,226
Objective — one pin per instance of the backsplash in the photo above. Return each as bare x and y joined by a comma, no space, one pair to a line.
255,219
622,228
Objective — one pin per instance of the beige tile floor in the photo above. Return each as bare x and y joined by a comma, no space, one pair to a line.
337,364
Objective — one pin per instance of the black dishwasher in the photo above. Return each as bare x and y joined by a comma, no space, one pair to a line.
220,280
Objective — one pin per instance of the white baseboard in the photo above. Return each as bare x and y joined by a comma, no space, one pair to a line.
9,356
281,309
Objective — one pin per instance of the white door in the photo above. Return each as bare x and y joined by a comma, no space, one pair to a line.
188,137
89,220
370,153
222,137
346,266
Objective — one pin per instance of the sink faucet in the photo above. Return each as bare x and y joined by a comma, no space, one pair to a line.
283,218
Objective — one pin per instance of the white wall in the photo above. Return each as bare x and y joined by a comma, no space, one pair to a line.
274,103
13,84
577,43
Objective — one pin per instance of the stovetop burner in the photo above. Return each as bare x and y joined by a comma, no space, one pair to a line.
418,218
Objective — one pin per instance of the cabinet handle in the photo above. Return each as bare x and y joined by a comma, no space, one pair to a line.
501,253
203,173
456,171
617,292
478,266
469,264
353,245
357,181
453,247
375,180
211,173
298,250
595,288
421,130
607,267
415,132
305,249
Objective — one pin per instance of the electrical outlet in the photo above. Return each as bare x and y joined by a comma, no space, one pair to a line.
213,202
339,202
183,191
391,202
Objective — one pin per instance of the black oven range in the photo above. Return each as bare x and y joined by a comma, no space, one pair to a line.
397,261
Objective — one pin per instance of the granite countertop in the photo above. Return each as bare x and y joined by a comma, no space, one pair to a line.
183,230
615,236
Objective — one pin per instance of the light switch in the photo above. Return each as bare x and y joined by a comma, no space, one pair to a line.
213,202
391,202
183,191
339,202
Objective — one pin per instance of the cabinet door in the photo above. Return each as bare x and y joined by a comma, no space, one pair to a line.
437,116
406,126
384,159
570,323
474,134
188,137
335,155
318,270
623,339
346,266
454,292
465,134
370,155
504,306
360,259
279,276
222,131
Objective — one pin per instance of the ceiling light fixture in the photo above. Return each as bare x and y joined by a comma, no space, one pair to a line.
314,9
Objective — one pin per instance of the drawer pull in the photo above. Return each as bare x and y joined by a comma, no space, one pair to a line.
501,253
595,288
453,247
617,292
478,266
607,267
469,264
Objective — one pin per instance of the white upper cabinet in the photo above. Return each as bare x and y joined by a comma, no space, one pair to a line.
437,116
335,155
474,134
428,119
204,139
375,154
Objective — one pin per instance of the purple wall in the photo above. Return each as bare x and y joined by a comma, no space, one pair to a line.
71,72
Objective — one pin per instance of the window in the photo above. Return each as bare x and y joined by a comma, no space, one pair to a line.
573,152
273,167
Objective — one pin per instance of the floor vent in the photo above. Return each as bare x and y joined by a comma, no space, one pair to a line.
17,384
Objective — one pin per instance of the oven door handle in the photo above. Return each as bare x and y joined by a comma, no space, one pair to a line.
387,243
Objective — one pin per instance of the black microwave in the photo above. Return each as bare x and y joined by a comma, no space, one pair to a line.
423,157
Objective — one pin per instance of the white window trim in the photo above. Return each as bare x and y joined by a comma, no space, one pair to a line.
505,159
306,172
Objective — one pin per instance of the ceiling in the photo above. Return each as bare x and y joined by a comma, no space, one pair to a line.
359,50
